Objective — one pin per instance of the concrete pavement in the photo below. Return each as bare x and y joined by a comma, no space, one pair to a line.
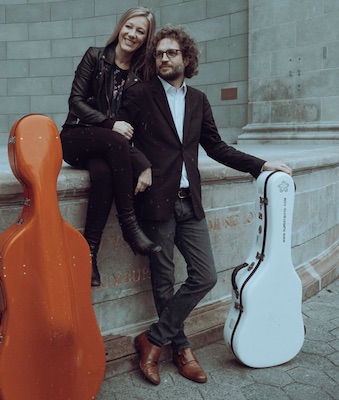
312,375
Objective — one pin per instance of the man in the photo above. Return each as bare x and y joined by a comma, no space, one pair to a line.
170,120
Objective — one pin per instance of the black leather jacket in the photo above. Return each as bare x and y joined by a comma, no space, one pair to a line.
92,88
91,96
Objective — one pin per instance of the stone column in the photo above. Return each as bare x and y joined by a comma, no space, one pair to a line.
293,71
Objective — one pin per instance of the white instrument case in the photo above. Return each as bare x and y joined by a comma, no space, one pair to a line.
265,326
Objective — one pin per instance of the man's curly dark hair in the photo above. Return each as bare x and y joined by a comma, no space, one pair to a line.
188,47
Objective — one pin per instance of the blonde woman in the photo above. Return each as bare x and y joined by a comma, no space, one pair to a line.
92,139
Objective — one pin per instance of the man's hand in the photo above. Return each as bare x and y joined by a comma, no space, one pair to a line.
124,128
276,166
144,181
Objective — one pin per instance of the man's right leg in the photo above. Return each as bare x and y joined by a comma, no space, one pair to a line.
149,343
162,272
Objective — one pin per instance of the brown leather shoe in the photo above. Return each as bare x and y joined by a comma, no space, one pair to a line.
189,366
149,358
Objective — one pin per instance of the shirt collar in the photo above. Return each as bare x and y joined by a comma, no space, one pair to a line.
168,87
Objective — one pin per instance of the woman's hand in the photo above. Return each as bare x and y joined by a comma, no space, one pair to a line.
275,166
124,128
144,181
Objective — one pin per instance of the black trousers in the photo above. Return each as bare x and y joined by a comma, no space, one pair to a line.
106,155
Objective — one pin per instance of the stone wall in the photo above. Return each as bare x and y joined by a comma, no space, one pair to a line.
269,66
293,70
41,43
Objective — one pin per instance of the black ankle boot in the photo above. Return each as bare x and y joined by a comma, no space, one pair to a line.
95,279
135,237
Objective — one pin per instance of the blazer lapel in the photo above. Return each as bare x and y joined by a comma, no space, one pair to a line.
160,99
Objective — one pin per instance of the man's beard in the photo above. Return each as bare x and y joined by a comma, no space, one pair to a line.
172,74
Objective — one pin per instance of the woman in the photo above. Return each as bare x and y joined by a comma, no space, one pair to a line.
92,138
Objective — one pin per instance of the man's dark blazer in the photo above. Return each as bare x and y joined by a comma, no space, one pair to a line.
145,106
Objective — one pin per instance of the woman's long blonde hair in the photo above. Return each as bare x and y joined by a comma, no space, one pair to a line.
139,57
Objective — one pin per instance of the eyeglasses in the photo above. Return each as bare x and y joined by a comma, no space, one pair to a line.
170,53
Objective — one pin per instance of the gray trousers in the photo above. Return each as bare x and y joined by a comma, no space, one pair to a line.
191,237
